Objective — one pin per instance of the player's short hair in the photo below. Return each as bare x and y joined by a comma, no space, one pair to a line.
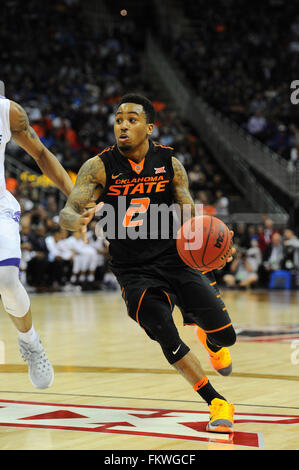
147,105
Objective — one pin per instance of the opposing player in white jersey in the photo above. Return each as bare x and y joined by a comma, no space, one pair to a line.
14,124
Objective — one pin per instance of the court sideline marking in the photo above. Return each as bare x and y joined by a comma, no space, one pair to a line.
11,368
115,397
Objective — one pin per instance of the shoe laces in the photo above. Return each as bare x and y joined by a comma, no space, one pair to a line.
28,352
222,409
25,353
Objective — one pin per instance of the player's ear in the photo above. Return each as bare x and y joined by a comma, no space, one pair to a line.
150,128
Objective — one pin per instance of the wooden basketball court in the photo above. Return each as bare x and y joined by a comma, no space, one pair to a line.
113,389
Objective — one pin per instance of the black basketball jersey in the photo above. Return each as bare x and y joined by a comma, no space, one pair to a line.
137,220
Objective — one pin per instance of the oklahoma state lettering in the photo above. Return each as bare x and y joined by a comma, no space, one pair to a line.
142,185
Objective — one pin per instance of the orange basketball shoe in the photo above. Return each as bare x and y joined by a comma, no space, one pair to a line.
221,416
220,360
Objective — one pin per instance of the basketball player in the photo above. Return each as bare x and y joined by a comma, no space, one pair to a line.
14,124
150,273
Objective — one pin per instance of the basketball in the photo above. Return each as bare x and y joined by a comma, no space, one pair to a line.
203,242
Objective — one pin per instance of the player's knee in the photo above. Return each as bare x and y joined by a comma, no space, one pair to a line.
14,297
226,337
156,318
8,278
166,334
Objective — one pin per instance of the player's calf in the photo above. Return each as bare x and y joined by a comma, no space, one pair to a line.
17,304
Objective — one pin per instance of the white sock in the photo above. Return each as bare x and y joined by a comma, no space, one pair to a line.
29,336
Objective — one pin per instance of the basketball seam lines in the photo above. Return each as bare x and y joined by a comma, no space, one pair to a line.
224,247
184,259
204,250
190,251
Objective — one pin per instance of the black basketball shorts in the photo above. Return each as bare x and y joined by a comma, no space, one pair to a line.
196,294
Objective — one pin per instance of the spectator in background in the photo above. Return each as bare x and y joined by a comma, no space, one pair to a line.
203,198
221,203
26,249
243,271
213,59
244,234
294,156
99,243
290,250
85,260
257,125
184,156
280,142
266,233
60,263
37,267
241,237
294,147
272,258
69,108
197,178
51,206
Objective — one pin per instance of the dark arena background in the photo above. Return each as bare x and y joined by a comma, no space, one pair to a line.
224,79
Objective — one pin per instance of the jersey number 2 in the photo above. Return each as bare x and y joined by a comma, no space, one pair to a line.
141,208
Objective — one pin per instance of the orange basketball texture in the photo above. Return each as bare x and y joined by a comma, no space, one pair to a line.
216,239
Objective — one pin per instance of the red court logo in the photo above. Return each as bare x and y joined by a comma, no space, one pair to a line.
164,423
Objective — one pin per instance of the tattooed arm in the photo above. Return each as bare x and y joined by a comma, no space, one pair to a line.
26,137
90,182
180,187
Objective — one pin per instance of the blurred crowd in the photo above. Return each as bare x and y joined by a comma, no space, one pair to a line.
242,61
71,95
70,85
266,256
54,259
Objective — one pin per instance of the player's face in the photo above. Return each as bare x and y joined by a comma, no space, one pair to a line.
130,127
